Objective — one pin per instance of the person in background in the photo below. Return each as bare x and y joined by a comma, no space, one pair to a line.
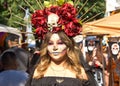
36,55
11,40
10,76
114,62
34,60
12,44
96,61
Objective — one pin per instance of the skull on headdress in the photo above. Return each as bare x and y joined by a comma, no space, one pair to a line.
52,20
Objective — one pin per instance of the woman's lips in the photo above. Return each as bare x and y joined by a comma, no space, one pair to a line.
56,53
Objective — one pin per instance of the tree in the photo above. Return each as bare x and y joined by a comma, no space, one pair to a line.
91,10
13,11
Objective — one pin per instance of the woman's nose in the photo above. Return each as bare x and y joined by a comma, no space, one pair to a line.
55,47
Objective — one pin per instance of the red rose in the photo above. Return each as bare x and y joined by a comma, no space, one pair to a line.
73,28
68,11
39,18
56,29
54,9
41,32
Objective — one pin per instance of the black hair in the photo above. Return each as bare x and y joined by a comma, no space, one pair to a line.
11,37
8,58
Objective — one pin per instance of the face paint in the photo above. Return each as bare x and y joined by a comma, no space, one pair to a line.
115,48
90,48
91,45
115,52
56,48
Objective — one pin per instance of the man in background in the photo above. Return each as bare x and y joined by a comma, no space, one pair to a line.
12,44
10,76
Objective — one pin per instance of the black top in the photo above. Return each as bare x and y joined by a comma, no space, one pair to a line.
22,57
59,81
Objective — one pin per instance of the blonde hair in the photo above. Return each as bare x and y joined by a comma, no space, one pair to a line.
72,56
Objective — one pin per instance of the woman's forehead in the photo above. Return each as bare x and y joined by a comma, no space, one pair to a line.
55,36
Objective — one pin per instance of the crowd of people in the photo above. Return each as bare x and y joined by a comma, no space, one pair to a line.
60,60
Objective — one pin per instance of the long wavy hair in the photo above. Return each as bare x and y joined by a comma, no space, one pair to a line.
73,54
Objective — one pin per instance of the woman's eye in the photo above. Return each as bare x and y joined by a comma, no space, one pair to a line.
60,43
50,43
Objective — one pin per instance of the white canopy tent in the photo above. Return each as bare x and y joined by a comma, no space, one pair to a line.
4,28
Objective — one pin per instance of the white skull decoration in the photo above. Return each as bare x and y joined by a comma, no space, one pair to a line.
115,48
52,20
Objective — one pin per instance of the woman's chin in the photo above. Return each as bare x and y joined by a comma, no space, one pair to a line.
58,58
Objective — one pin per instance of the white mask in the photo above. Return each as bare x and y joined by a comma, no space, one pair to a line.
115,48
90,48
115,52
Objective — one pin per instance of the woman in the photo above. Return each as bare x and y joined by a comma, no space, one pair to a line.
59,63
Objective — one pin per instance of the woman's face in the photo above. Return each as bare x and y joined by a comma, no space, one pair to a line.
56,48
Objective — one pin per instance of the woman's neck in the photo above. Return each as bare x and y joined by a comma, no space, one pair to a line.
58,64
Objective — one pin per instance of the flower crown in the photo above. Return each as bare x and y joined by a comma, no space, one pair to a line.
56,18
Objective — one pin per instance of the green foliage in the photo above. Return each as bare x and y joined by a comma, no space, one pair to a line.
98,8
12,12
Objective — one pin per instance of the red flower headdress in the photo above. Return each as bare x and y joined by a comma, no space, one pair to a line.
56,18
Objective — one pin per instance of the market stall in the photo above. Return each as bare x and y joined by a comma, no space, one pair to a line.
108,25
